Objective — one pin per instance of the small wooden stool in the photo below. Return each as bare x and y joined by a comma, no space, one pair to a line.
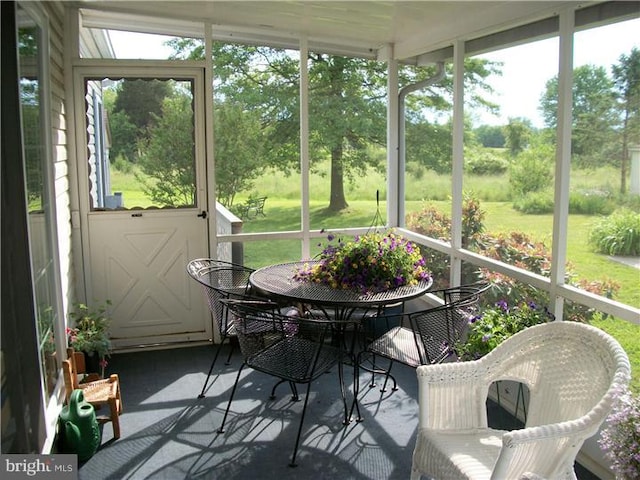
97,391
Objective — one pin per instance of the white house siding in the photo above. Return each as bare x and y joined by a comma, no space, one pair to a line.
55,12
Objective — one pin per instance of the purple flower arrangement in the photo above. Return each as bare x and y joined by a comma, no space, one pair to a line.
620,438
371,263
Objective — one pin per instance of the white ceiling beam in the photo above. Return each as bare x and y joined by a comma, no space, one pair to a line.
108,20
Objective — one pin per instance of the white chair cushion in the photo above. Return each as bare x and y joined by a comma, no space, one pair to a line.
458,454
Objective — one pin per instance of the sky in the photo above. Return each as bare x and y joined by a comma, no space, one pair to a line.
526,68
137,45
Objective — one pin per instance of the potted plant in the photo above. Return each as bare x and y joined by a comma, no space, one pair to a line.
90,334
496,324
371,263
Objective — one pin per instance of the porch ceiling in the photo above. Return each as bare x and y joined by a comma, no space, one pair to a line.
363,28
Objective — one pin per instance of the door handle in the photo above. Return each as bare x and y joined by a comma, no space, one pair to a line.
203,214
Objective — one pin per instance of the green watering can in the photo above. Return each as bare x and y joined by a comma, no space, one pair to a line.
79,427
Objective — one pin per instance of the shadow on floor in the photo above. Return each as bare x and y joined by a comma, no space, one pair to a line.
168,433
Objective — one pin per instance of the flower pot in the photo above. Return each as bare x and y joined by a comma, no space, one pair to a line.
390,317
92,363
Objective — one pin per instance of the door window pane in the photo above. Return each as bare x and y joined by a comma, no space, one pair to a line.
141,143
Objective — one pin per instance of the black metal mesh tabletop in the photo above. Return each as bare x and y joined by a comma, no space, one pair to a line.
278,281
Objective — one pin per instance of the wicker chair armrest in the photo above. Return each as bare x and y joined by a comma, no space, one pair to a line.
582,427
550,447
531,476
450,373
457,390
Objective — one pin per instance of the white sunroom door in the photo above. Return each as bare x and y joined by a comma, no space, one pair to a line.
145,202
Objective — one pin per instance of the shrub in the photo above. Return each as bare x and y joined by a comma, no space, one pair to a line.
432,223
518,249
531,171
535,203
591,202
584,202
617,234
606,288
515,248
472,221
630,201
485,162
123,165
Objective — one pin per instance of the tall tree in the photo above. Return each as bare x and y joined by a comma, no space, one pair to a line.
347,104
429,144
141,99
626,75
124,136
137,103
240,147
517,133
167,154
593,112
347,113
491,136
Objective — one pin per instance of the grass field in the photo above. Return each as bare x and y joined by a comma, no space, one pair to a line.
283,214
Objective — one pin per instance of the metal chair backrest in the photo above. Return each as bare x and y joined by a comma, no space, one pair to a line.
220,280
438,329
293,348
461,292
286,346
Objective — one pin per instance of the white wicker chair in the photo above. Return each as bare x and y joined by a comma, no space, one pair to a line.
573,372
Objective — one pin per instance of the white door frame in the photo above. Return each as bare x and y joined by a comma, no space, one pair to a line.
81,217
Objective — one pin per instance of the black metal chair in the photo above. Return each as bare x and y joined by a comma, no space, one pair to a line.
220,280
467,298
430,338
294,349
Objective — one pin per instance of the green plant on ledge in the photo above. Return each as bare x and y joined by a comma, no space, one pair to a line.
496,324
90,333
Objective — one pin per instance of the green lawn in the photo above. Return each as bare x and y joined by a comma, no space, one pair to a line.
283,213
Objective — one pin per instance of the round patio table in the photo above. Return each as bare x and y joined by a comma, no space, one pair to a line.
278,282
338,306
